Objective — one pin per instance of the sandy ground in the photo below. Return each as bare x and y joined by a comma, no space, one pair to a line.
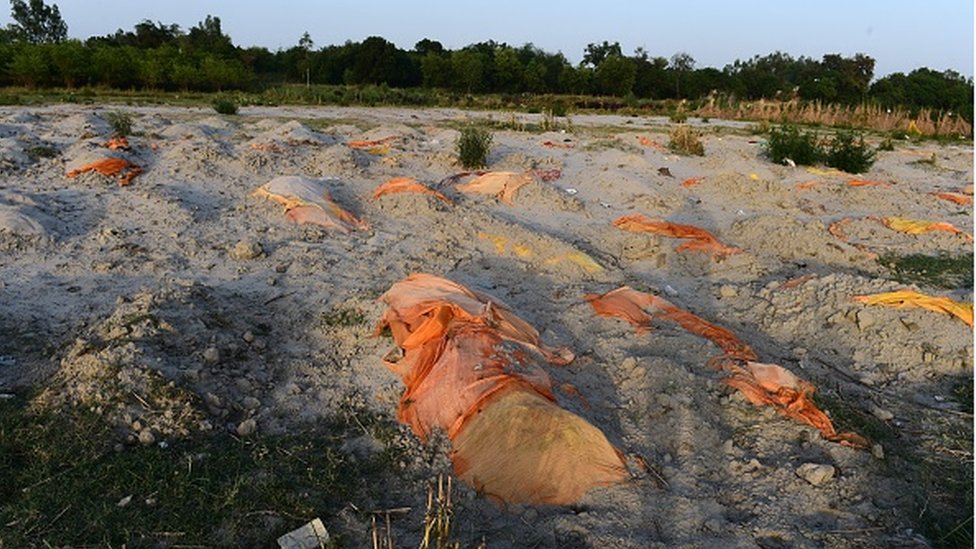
189,282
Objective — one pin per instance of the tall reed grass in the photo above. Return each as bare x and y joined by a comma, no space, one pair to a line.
925,122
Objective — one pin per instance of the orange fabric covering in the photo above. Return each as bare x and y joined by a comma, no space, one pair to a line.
918,226
307,200
471,368
648,142
762,384
127,171
866,183
407,185
554,145
910,298
118,143
699,239
692,181
503,185
368,144
958,198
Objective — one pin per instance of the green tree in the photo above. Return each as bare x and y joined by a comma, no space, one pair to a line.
156,66
595,54
615,76
681,64
305,44
30,67
70,62
508,70
207,37
468,68
36,22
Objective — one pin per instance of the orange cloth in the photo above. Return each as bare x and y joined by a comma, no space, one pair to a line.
692,181
368,144
407,185
958,198
918,226
471,368
866,183
762,384
503,185
698,239
307,200
910,298
127,171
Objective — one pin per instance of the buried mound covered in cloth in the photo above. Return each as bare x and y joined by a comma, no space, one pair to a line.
307,200
472,369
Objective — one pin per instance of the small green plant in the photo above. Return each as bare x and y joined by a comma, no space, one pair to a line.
225,106
849,153
685,140
36,152
473,146
121,123
940,271
678,117
886,145
790,142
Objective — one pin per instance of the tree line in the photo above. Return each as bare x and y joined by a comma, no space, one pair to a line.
35,52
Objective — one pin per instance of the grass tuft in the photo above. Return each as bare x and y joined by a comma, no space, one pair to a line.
473,146
64,484
941,271
685,140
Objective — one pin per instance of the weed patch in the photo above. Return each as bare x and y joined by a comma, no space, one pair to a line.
941,271
64,484
473,146
687,141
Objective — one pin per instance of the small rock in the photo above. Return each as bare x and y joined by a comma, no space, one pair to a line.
246,249
815,473
247,427
124,501
881,413
530,515
243,385
800,352
260,345
727,291
211,355
293,389
865,319
727,447
877,451
248,336
251,403
136,426
146,437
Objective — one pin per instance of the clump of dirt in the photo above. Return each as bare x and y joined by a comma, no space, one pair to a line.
113,371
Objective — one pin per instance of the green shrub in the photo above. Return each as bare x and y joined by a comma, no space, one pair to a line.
121,123
790,142
473,146
678,117
687,141
886,145
849,153
225,106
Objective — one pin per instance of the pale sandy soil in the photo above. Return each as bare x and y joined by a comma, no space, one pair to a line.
255,335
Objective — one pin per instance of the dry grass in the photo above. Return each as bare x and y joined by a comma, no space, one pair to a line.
926,122
685,140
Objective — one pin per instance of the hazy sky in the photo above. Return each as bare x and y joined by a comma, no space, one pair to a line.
900,35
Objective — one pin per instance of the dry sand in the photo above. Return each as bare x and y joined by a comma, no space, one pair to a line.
189,282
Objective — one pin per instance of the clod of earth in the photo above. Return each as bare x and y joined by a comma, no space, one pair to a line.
307,200
698,239
117,143
910,298
762,384
472,369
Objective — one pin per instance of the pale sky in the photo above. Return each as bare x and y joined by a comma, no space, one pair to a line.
901,35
